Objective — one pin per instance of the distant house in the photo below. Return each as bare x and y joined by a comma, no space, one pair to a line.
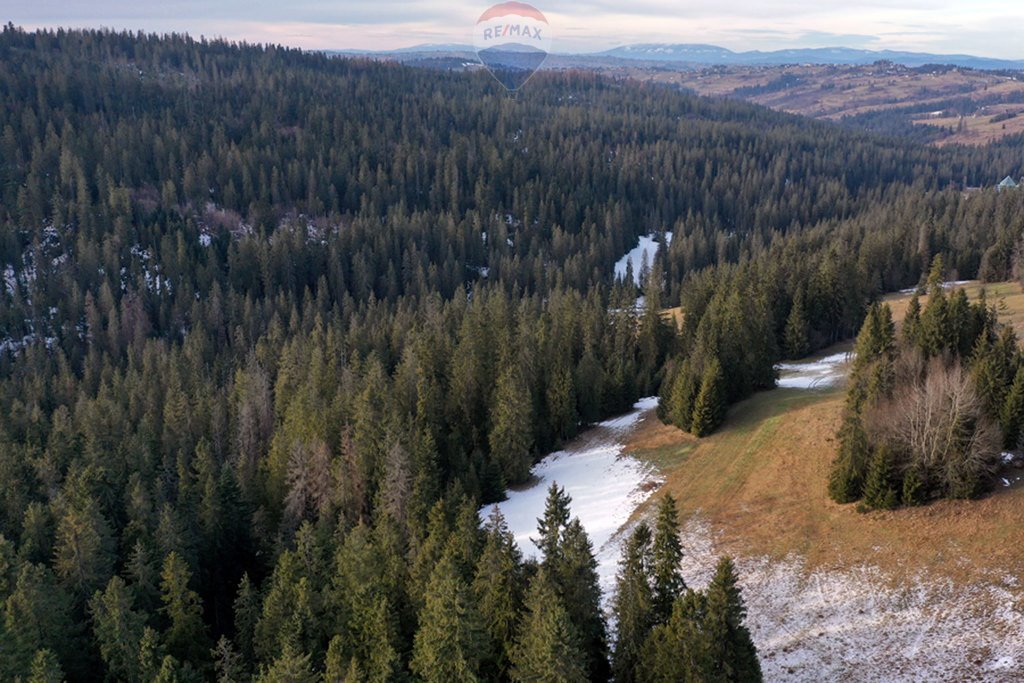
1008,184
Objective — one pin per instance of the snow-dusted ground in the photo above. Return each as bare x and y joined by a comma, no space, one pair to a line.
945,285
647,246
854,624
606,487
857,623
819,374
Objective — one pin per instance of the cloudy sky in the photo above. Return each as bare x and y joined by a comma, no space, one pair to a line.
984,27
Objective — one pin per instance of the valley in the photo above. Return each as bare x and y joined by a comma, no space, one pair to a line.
938,104
967,101
295,347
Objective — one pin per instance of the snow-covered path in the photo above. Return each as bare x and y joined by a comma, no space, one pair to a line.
817,374
606,487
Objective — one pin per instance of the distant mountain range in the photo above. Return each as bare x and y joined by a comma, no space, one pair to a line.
712,55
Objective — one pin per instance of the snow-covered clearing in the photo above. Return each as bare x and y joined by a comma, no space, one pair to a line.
856,624
648,247
818,374
606,487
945,285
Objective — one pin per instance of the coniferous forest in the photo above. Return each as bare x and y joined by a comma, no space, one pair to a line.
274,326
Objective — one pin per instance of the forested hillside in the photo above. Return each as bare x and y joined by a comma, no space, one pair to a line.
273,326
930,412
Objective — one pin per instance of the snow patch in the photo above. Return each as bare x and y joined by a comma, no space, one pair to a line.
856,624
648,246
819,374
945,285
10,280
606,488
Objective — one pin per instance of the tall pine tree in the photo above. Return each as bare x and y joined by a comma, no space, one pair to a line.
709,407
732,652
667,578
451,641
633,606
498,588
548,648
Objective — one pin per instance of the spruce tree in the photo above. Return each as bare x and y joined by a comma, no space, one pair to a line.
338,667
709,408
561,404
247,614
228,664
511,437
877,338
1011,417
796,335
633,606
682,395
451,641
185,636
991,374
466,539
577,582
151,654
498,588
551,526
960,318
678,650
914,487
362,598
733,656
429,552
290,666
376,639
912,322
37,615
667,579
547,648
590,381
118,629
936,274
566,553
849,469
934,332
879,489
45,668
83,553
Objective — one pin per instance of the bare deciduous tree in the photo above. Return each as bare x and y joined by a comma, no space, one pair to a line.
940,427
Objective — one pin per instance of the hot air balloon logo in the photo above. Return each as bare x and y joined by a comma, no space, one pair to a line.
512,40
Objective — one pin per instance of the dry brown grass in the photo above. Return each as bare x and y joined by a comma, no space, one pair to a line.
762,481
979,129
832,92
675,315
1007,297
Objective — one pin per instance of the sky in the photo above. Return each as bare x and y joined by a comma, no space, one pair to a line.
991,28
